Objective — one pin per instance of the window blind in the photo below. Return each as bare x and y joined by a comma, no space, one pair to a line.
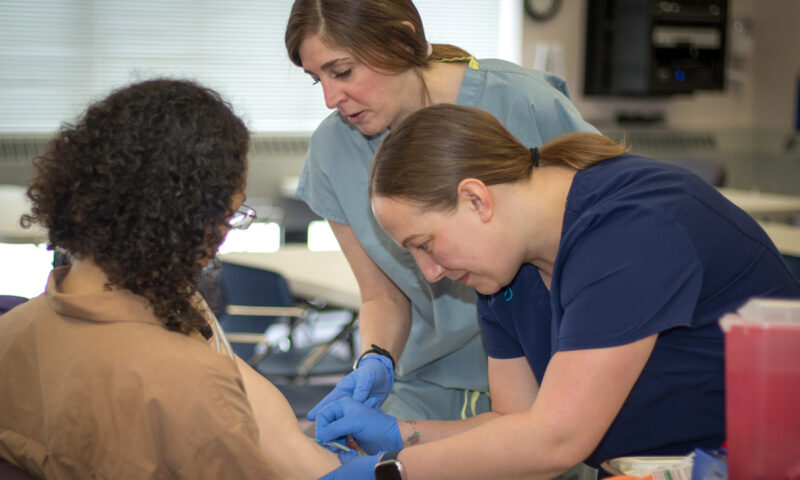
57,56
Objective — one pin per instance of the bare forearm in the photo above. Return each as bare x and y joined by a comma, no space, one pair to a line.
416,432
502,448
385,323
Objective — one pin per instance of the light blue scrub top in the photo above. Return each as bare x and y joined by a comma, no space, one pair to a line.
445,348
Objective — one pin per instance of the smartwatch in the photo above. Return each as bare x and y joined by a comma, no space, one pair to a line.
389,467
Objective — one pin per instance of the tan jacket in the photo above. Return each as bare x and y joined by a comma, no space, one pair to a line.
94,386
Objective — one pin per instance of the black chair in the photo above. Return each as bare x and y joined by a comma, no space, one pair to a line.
253,299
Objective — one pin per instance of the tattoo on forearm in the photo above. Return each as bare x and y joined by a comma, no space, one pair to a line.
415,437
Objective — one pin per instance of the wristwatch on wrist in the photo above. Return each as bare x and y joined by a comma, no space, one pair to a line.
389,467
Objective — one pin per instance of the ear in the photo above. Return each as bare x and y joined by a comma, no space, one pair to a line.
475,195
409,25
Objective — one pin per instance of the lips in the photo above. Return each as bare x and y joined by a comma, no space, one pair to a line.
356,117
463,280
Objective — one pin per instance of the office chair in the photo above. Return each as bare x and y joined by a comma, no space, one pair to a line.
253,299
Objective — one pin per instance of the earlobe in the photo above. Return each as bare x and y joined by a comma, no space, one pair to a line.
476,194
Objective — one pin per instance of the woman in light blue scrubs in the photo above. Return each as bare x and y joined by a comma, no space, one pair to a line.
601,277
423,356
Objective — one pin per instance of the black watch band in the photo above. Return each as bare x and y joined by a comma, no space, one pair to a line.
375,349
389,467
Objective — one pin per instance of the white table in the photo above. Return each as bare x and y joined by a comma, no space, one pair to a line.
786,237
313,275
767,209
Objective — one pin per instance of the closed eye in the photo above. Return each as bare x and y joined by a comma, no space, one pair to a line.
343,74
339,75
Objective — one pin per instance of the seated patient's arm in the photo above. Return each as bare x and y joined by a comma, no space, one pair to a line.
294,455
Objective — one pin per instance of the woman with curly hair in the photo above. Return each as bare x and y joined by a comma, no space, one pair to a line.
119,369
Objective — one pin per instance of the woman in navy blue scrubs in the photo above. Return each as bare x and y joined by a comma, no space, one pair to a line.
601,277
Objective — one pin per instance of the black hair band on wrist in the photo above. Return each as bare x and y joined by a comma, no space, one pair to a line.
375,349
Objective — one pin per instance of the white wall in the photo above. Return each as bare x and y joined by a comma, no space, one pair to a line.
761,72
776,62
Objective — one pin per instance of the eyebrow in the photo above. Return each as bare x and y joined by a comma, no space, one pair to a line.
327,65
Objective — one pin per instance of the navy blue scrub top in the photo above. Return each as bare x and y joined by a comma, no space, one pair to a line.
646,248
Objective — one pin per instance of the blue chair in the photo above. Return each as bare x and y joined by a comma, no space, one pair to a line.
253,299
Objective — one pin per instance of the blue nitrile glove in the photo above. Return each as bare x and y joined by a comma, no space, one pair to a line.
373,429
361,467
369,384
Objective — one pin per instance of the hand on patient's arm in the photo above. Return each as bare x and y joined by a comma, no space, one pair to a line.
513,389
374,430
369,384
293,454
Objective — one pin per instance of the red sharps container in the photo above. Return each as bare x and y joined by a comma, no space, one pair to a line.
762,390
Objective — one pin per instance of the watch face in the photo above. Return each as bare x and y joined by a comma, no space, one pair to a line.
389,470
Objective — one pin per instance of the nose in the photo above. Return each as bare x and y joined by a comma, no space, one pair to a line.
333,94
432,271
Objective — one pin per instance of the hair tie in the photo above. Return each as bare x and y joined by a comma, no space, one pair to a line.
535,156
430,50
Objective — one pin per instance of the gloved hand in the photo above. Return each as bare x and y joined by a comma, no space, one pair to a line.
373,429
358,468
369,384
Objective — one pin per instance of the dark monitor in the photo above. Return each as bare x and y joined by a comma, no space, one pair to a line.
654,48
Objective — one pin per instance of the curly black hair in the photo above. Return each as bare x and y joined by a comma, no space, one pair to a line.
142,184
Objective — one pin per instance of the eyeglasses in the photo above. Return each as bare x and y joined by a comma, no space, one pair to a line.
242,217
